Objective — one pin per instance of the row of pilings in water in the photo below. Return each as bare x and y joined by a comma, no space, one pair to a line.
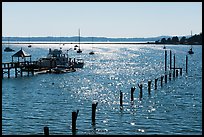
173,73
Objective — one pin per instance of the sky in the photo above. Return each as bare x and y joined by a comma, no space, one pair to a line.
101,19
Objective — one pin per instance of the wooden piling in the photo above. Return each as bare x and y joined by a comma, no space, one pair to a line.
132,91
181,71
155,87
170,59
174,65
170,75
165,78
177,73
16,70
121,99
165,60
8,72
186,64
46,131
140,86
162,80
21,71
149,86
74,118
94,105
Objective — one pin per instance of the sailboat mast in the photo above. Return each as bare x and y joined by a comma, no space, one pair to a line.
191,38
79,38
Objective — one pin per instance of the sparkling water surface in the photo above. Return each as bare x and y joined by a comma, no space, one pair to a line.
30,103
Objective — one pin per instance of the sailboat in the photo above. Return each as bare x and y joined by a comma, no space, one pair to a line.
79,50
91,53
29,44
191,50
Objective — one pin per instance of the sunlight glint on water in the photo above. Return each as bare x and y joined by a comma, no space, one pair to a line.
30,103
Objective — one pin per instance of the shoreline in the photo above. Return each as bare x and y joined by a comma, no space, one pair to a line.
94,43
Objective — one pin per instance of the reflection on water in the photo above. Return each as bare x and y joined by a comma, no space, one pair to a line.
30,103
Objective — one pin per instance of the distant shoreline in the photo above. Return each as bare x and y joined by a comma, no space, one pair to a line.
78,43
92,43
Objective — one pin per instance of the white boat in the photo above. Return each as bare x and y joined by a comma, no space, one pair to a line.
62,69
58,60
78,63
54,57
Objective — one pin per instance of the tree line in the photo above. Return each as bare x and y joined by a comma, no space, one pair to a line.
193,40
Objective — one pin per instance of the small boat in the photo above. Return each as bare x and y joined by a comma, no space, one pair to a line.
78,63
164,47
190,51
91,53
75,47
29,46
62,69
79,50
8,49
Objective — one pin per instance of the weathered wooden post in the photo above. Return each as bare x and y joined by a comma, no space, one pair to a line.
170,75
174,65
165,60
177,73
16,71
132,91
170,60
181,71
74,118
2,74
149,86
162,80
155,87
186,64
165,78
46,130
140,86
8,72
121,99
21,71
94,105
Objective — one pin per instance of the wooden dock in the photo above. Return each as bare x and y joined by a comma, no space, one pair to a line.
19,68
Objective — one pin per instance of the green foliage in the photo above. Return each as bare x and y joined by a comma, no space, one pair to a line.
194,40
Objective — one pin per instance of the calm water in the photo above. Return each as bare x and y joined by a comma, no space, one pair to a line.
30,103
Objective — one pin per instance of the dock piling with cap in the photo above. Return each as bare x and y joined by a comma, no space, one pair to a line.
149,86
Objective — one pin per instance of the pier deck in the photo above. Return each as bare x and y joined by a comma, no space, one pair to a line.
19,67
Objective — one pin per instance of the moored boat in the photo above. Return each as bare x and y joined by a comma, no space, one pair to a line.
58,60
8,49
91,53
